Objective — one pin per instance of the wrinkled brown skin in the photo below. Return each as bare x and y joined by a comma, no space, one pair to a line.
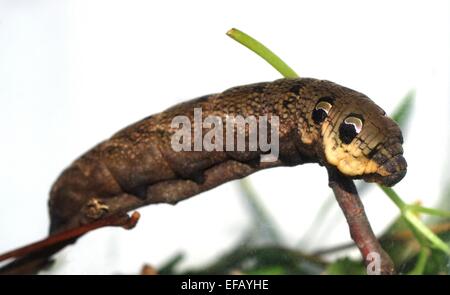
137,166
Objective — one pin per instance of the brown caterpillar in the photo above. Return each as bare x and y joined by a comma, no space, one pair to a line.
319,121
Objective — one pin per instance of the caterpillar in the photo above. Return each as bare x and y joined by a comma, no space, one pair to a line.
318,121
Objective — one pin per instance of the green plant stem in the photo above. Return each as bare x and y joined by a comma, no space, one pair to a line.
263,52
429,211
394,197
415,224
422,259
416,208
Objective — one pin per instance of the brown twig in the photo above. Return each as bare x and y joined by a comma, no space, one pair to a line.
53,243
360,230
333,249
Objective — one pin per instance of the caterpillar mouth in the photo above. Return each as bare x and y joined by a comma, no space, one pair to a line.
390,172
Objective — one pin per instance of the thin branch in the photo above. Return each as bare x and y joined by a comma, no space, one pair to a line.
360,230
51,244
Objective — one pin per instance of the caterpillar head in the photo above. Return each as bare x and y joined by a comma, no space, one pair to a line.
356,135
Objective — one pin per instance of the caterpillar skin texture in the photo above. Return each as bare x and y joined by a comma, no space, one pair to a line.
319,122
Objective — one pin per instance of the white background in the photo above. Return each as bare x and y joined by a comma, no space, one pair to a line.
74,72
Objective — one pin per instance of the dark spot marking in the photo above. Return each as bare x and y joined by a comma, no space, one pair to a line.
259,89
328,99
296,88
286,103
347,132
319,116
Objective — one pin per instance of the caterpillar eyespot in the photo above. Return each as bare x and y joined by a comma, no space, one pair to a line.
350,128
321,111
